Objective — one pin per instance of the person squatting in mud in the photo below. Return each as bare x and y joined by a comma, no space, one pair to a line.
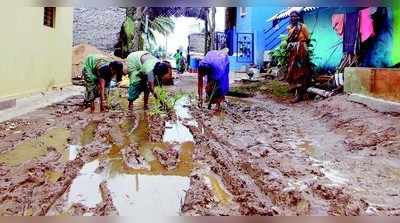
100,72
215,66
145,71
299,69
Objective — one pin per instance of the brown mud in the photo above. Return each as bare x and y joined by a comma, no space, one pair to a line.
260,156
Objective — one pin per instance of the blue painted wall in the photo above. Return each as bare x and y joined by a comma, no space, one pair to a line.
254,22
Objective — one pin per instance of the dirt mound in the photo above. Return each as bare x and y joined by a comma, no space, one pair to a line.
79,53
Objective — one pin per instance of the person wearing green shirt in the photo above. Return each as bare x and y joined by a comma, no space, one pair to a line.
99,72
145,71
178,58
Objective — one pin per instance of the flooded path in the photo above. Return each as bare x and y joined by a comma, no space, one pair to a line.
258,157
142,177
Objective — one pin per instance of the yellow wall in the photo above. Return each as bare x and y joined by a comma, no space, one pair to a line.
34,57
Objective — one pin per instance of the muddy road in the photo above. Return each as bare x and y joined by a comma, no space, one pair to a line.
260,156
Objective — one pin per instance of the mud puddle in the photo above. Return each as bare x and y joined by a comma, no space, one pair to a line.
55,139
220,192
143,177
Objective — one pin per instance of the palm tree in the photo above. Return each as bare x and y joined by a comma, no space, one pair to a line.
127,42
160,25
159,21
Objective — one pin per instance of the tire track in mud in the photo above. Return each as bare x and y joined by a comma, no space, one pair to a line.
266,175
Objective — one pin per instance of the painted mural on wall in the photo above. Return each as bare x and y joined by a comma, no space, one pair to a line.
245,47
220,40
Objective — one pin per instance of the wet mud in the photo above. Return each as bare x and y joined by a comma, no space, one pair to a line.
259,156
279,159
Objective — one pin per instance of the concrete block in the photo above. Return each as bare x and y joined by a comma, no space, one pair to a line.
5,104
376,104
386,84
381,83
358,80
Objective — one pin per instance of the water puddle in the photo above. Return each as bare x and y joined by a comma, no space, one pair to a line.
177,133
220,192
88,133
85,187
151,188
142,195
73,151
53,176
54,139
182,112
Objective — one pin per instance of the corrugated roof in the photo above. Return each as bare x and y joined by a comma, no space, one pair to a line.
286,12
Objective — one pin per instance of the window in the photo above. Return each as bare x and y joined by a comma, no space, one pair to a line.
243,11
49,16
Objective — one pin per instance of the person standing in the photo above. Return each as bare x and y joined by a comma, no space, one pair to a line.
299,69
178,57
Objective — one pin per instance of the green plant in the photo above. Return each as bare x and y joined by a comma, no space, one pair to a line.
281,54
165,101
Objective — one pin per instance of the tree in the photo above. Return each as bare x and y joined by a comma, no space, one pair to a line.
158,20
138,26
129,41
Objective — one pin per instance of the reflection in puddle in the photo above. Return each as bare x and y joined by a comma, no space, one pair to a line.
182,112
85,187
88,133
73,151
219,191
177,133
148,195
137,190
54,139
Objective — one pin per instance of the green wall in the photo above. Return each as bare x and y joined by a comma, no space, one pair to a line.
328,45
396,32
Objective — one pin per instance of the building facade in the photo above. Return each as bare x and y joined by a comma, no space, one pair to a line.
36,49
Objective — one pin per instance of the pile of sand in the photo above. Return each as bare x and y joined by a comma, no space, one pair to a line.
79,53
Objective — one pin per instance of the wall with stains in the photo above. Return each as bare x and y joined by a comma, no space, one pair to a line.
34,57
375,82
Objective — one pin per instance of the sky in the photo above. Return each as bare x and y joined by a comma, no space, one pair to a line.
185,26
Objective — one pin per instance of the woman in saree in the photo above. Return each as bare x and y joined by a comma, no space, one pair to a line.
299,69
